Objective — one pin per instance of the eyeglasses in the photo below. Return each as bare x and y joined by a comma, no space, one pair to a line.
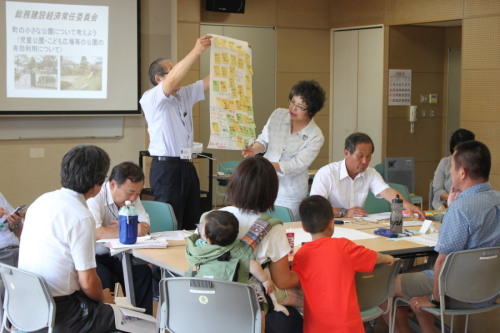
298,107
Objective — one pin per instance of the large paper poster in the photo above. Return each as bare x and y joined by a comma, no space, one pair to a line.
232,124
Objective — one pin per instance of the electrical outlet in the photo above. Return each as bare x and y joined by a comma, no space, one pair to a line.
424,98
432,113
37,152
423,113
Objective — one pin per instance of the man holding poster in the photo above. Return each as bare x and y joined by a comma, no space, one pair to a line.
168,111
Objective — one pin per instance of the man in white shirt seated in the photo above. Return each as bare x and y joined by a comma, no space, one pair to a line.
11,227
58,243
346,183
125,183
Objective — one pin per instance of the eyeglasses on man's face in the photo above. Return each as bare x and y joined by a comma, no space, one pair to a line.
298,107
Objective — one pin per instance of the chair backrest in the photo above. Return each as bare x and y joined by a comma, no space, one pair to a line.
28,304
431,194
375,205
161,215
206,305
375,287
471,275
282,213
227,167
402,189
400,170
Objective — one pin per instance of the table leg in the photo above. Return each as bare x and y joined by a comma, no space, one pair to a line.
128,277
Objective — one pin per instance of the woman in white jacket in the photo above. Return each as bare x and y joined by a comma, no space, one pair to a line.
291,140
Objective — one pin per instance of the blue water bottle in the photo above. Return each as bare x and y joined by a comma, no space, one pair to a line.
128,224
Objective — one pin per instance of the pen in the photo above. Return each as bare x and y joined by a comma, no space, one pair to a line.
338,222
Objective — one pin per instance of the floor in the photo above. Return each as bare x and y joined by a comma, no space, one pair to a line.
488,322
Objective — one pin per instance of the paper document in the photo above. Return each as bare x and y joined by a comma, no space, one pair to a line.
301,236
378,217
172,235
132,321
123,302
428,240
145,242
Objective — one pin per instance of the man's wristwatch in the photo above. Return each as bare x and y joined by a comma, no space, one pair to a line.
433,301
342,212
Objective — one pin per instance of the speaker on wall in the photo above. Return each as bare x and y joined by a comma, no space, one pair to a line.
227,6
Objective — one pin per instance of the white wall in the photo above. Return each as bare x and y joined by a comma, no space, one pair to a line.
23,179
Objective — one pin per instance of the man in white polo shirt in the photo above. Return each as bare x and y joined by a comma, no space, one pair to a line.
346,183
168,111
58,243
125,183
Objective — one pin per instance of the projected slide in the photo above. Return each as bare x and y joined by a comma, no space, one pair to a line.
69,57
56,51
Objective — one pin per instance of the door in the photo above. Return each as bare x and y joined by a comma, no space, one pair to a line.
357,87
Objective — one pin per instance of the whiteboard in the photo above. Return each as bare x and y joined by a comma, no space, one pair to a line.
15,128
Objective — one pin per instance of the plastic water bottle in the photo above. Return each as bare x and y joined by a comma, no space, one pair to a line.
128,224
397,215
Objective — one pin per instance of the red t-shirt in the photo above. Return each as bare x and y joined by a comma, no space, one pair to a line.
326,268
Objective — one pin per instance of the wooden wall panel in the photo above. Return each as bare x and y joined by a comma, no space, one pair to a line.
480,100
480,96
303,51
189,31
453,37
481,46
303,14
411,11
189,10
481,8
419,46
356,13
420,49
487,132
257,12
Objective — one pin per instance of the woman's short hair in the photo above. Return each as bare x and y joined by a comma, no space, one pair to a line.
253,185
460,135
311,93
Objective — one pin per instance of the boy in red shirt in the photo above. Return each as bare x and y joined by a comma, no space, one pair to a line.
326,267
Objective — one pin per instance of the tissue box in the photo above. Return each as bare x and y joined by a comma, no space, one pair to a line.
197,148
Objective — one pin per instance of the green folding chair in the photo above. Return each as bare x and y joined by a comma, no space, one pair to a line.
161,215
282,213
375,205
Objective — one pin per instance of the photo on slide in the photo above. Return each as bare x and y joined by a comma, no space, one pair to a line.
35,72
81,73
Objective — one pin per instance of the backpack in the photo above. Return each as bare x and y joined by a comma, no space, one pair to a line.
231,262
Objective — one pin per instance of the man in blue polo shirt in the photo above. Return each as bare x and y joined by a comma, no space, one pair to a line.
472,221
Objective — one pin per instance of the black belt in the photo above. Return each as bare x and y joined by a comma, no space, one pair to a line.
58,299
169,159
